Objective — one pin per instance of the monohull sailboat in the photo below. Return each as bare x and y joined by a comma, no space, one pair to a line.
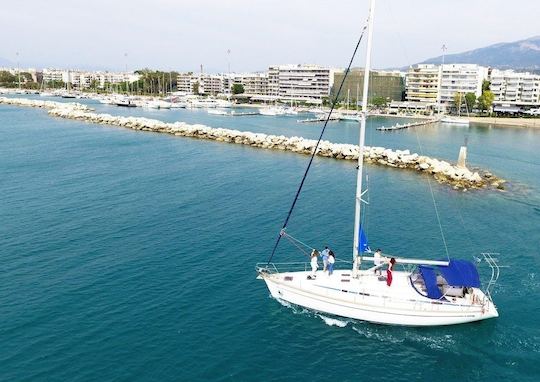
422,293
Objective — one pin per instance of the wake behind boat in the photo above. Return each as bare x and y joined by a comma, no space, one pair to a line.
412,292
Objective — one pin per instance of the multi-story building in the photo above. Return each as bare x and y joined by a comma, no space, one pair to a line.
422,84
387,84
512,89
84,79
301,83
460,78
255,84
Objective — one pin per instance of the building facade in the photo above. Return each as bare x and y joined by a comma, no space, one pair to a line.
299,83
422,83
79,79
460,78
517,90
389,85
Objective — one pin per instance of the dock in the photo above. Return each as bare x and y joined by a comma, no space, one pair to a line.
242,114
318,119
406,125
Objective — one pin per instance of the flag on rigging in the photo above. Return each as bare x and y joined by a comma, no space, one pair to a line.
363,242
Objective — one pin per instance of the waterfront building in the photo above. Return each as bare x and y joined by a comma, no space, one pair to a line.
80,79
514,91
460,78
299,83
422,84
437,85
387,84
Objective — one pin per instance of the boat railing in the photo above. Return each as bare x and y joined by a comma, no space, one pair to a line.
296,266
495,271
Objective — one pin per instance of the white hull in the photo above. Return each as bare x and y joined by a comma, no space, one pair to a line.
369,299
455,121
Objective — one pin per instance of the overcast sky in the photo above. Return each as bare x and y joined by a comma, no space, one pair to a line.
183,34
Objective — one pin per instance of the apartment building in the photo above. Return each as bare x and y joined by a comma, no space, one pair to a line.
460,78
515,90
84,79
422,83
301,83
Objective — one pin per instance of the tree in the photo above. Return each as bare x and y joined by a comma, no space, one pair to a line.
485,85
196,88
470,101
485,101
379,101
237,89
458,100
7,78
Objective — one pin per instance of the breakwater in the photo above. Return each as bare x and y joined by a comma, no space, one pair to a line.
442,171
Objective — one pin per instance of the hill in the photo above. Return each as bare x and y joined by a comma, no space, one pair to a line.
519,55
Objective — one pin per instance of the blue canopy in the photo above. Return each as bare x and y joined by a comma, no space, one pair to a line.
460,273
430,280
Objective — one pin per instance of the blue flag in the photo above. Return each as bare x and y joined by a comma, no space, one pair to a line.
363,242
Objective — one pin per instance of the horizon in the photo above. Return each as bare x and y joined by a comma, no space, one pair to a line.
247,37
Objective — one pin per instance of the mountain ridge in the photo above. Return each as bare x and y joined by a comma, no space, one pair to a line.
518,55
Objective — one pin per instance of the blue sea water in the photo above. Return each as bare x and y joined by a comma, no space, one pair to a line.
130,255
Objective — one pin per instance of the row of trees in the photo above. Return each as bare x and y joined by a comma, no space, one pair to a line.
9,80
483,103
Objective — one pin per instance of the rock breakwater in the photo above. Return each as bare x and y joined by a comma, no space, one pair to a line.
442,171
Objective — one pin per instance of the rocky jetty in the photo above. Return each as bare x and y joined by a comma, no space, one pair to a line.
444,172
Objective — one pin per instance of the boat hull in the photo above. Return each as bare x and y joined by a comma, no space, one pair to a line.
374,308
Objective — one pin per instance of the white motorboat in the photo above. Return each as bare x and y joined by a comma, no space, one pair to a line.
419,293
455,120
272,111
217,112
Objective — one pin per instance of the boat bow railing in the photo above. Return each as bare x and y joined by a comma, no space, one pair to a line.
495,271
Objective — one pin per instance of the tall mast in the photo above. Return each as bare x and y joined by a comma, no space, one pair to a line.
356,249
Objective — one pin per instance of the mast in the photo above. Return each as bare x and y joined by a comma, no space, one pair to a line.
358,200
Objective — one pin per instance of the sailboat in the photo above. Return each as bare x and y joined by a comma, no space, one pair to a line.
457,120
422,293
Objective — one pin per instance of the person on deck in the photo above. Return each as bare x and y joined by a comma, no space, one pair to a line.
314,263
331,261
389,271
324,255
377,260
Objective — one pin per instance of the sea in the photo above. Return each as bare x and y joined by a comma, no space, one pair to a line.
130,256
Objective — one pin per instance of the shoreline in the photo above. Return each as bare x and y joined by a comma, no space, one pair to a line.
508,122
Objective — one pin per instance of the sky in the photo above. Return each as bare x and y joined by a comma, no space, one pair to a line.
250,35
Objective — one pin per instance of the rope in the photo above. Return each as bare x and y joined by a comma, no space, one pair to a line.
334,102
434,202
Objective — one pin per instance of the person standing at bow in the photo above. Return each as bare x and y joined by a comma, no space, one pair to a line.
324,255
314,263
331,261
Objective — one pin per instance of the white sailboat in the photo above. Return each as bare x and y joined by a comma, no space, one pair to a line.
423,293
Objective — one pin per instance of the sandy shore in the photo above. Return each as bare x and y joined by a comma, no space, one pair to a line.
514,122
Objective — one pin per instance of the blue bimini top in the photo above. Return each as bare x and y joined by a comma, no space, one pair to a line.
460,273
430,280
